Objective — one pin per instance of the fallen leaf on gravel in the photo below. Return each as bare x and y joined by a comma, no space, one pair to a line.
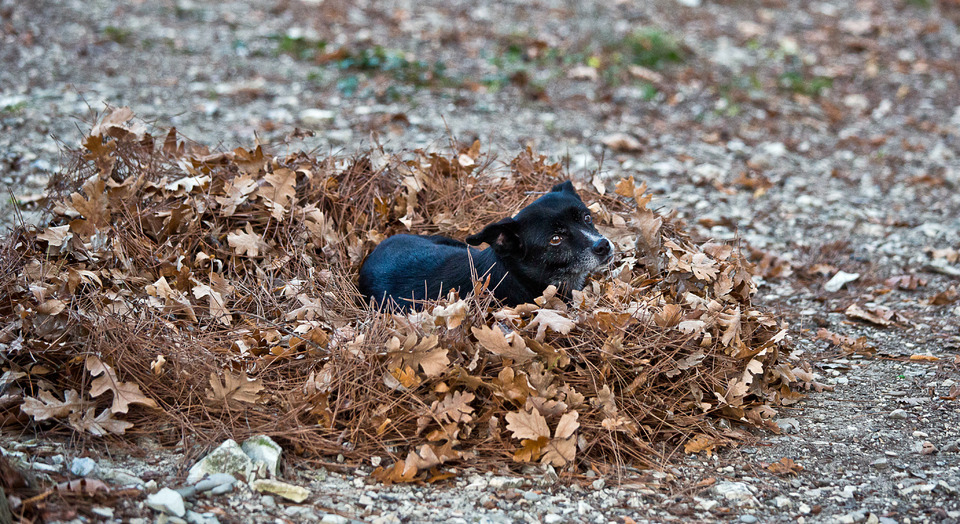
878,316
622,143
944,297
924,358
700,443
785,467
905,282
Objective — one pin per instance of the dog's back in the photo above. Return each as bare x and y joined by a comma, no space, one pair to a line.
550,242
405,267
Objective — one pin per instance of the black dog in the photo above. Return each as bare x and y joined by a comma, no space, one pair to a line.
551,241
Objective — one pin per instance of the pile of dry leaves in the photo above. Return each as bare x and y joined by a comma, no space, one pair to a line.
211,295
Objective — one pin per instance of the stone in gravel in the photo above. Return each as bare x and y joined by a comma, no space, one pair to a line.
316,117
552,518
221,489
803,508
782,501
120,477
100,511
703,504
167,501
330,518
749,519
288,491
599,484
214,481
262,449
268,501
880,464
187,492
82,467
500,483
853,518
228,458
736,492
531,496
839,280
897,414
201,518
927,448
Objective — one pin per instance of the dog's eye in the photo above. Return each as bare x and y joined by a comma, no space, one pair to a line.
555,241
587,219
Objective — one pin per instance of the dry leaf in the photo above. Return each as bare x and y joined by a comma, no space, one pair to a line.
124,393
234,388
494,341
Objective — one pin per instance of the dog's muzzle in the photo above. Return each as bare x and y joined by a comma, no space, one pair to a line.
603,249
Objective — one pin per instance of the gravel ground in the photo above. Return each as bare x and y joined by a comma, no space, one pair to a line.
824,135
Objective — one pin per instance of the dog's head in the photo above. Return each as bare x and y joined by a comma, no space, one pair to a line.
551,241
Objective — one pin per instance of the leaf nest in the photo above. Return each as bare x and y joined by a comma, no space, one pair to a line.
212,295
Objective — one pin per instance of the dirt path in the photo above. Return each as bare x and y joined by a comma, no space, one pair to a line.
826,135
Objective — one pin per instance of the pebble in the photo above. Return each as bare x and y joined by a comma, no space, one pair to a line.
330,518
880,464
737,492
749,519
897,414
228,458
263,450
167,501
83,467
552,518
288,491
214,481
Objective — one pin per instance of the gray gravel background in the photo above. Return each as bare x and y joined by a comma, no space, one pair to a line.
846,114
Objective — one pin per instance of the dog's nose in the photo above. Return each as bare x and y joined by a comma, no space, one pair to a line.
602,248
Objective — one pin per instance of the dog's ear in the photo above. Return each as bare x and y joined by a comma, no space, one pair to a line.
565,187
503,236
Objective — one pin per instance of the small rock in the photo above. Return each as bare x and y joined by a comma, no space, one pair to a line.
927,448
736,492
365,500
316,117
214,481
201,518
288,491
82,467
839,280
782,502
120,477
804,509
221,489
749,519
187,492
262,449
100,511
853,518
705,504
552,518
167,501
228,458
897,414
501,483
598,484
531,496
880,464
268,501
330,518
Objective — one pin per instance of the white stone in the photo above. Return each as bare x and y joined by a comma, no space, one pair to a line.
228,458
263,449
288,491
316,117
736,492
167,501
839,280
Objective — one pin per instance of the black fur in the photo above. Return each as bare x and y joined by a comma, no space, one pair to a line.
521,260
